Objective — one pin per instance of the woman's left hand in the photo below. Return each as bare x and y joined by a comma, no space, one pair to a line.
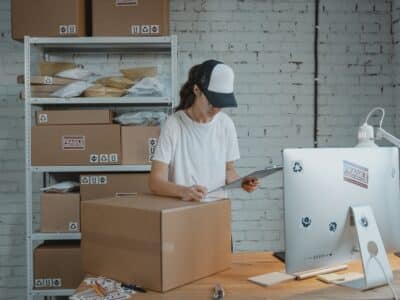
250,184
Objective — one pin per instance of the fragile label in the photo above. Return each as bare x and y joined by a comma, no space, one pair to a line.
152,148
73,142
102,179
126,2
355,174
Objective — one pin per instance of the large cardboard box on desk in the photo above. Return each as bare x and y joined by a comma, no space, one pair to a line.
138,144
104,185
76,145
69,117
59,212
57,265
48,18
159,243
130,17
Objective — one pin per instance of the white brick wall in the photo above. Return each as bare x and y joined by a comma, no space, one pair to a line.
269,43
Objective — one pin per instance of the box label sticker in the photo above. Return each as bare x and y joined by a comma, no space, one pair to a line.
355,174
93,158
103,179
73,142
103,158
135,29
39,283
85,180
73,226
94,180
152,143
145,29
48,80
72,29
63,29
57,283
48,282
126,2
43,118
113,157
154,29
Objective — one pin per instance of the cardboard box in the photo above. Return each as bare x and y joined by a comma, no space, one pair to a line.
138,144
157,242
130,17
76,145
57,265
59,212
96,185
43,18
62,117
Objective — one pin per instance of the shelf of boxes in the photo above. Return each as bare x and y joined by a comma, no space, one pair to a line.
53,46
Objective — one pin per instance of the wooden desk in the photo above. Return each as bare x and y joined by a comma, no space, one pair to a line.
236,286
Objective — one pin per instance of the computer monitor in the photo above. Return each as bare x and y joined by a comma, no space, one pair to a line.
320,186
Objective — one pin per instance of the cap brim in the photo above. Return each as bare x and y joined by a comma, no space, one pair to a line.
221,100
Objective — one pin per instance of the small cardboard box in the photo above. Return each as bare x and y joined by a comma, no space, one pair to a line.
59,212
48,18
157,242
96,185
76,145
130,17
69,117
57,265
138,144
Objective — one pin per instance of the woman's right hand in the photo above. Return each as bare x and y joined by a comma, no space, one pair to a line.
194,193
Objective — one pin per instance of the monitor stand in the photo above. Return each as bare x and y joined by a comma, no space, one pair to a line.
376,267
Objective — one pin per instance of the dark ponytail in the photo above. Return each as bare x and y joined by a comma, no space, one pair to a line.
186,93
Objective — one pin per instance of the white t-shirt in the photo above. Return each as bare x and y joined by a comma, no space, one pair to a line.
197,152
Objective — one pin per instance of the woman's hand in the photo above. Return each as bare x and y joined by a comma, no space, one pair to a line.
194,193
250,184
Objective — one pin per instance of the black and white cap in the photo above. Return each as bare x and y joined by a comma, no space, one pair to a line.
216,82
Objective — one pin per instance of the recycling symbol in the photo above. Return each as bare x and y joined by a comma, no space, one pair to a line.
332,226
297,167
306,221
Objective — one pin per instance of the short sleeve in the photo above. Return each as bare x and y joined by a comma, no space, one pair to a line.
232,150
167,141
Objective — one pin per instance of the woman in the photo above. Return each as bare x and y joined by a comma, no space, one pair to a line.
198,143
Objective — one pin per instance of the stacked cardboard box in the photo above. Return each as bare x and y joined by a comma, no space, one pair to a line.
59,212
51,18
103,185
48,18
57,265
130,17
91,140
157,242
138,144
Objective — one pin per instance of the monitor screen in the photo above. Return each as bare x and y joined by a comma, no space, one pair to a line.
320,185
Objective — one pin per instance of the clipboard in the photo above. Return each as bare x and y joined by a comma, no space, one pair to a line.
255,174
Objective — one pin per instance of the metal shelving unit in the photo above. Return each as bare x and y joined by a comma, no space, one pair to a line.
48,46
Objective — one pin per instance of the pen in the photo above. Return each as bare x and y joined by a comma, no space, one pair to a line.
98,289
133,287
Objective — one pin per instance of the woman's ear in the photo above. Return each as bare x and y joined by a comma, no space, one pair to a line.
196,90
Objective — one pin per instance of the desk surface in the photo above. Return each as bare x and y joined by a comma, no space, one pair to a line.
236,286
